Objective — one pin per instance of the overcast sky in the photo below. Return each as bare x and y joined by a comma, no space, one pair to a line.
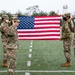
45,5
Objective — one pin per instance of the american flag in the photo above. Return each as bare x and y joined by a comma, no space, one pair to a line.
39,28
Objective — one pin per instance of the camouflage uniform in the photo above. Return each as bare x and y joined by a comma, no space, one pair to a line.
12,46
74,41
66,37
4,41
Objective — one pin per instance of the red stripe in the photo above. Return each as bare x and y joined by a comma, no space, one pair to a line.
46,23
39,35
38,31
46,16
48,20
46,27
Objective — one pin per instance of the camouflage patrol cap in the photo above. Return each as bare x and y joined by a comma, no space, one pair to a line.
16,20
67,14
5,16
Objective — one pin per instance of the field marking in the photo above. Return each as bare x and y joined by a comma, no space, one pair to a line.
30,55
31,43
27,73
30,50
28,63
44,71
31,46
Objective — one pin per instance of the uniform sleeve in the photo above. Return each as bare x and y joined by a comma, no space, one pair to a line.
11,30
72,24
2,27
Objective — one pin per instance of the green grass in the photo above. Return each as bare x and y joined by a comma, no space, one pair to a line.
46,55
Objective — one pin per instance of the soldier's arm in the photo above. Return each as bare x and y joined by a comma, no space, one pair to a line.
72,24
2,27
11,30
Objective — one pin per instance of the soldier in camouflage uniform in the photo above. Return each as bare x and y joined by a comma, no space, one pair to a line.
74,34
11,45
4,39
66,37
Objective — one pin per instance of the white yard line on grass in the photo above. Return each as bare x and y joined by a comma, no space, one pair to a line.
30,55
27,73
31,43
28,63
30,50
44,71
30,46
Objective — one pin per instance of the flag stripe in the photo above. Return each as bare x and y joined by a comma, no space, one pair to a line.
38,31
47,27
40,38
47,23
39,35
21,38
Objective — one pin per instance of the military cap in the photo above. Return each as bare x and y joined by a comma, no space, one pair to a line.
5,16
66,15
16,20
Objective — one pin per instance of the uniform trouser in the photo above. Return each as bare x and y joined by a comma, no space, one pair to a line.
11,60
66,45
4,53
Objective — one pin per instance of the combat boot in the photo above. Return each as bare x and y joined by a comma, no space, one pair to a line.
67,64
4,64
10,73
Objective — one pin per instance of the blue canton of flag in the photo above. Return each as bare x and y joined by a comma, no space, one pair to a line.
26,22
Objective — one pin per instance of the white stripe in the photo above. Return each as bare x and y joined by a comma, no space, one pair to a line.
44,37
38,33
30,55
30,45
28,63
30,50
27,73
46,25
47,18
47,21
65,71
38,29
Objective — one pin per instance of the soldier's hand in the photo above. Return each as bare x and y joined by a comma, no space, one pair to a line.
4,28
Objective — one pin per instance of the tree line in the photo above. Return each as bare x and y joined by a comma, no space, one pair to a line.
19,13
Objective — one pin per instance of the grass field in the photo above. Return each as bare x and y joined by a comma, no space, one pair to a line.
46,56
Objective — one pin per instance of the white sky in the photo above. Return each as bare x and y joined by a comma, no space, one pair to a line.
45,5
